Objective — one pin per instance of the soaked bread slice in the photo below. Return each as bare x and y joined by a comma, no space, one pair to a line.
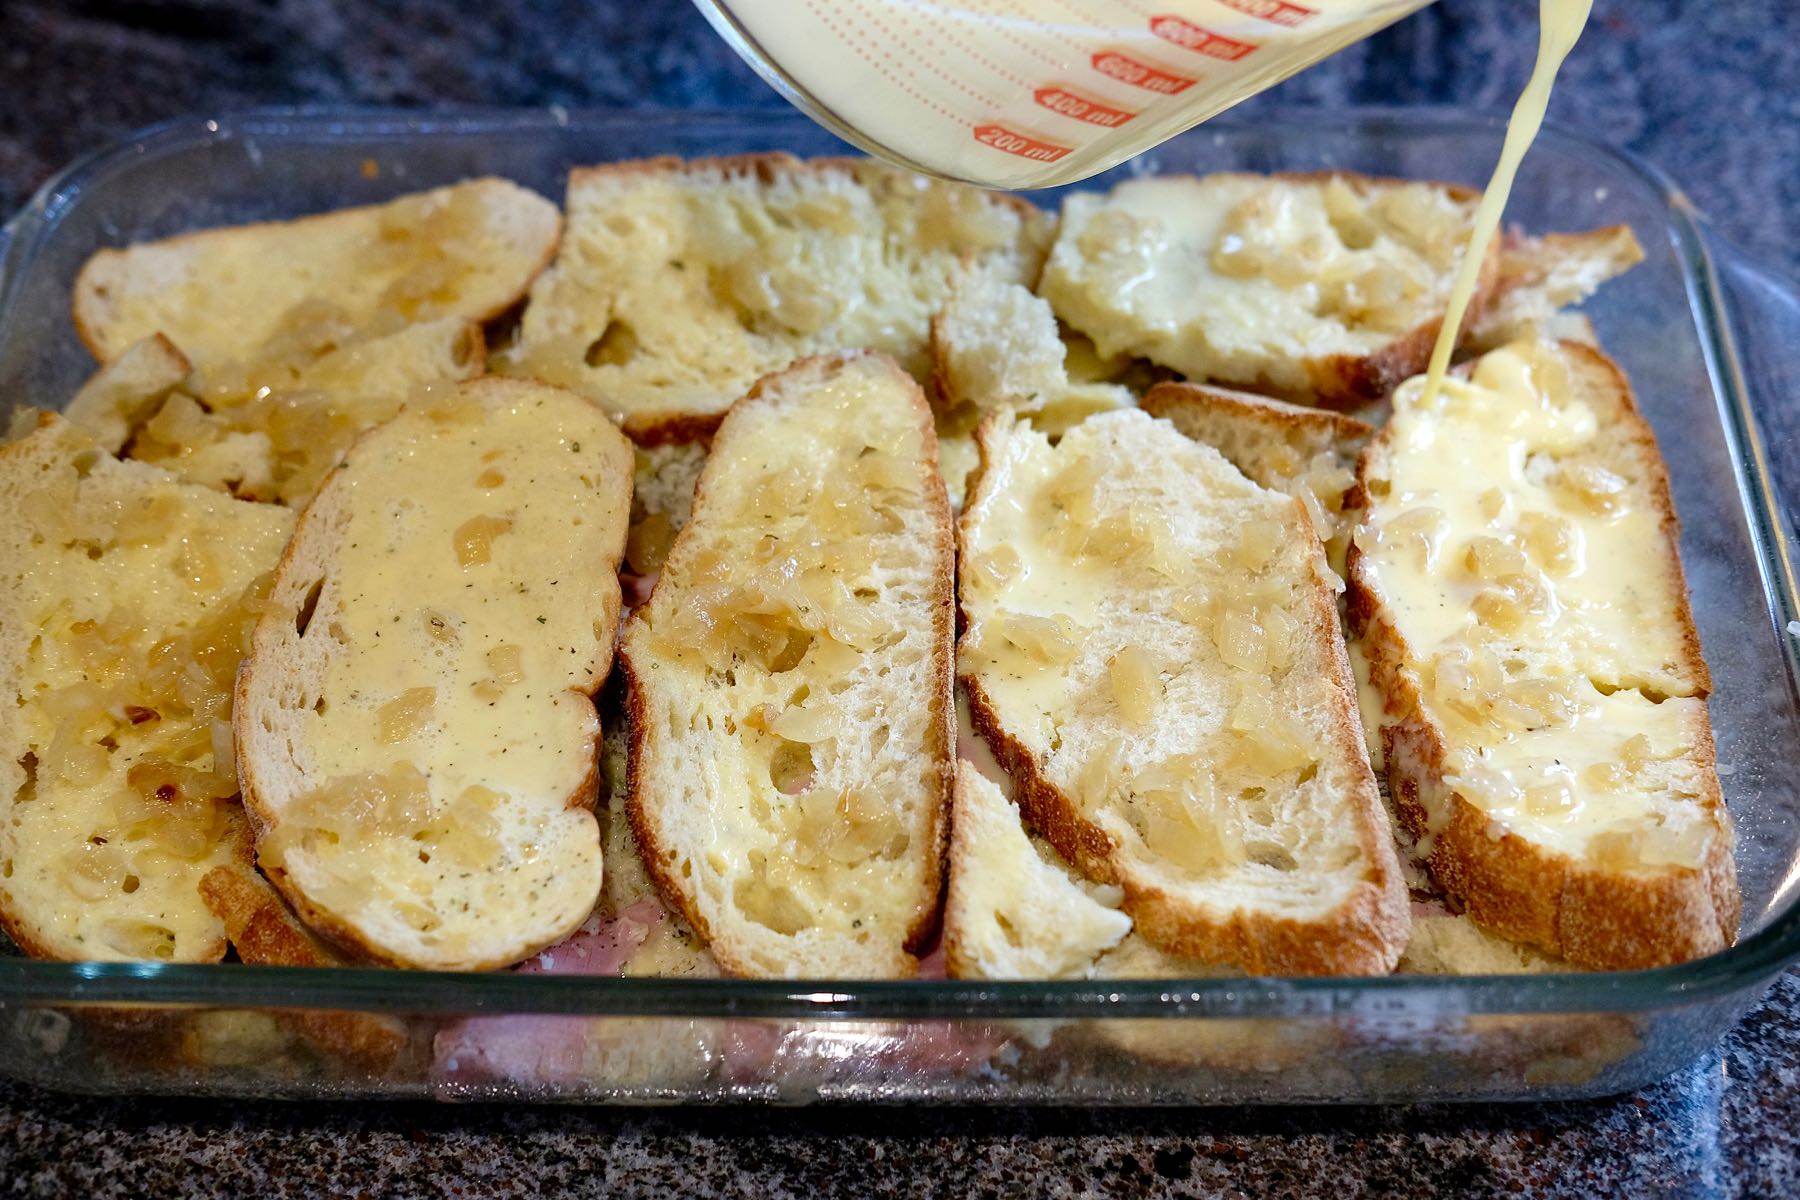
245,293
1519,598
1309,453
1014,911
996,345
680,282
263,930
124,393
415,730
1542,276
1326,289
274,429
1151,648
790,681
126,601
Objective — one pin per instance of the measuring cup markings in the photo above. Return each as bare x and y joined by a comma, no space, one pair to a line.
1059,88
1116,65
1199,39
1035,149
1279,12
828,19
1065,102
930,61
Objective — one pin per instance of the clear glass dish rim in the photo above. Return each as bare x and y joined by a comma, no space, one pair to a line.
1751,962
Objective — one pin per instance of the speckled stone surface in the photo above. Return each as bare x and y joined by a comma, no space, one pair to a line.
1710,92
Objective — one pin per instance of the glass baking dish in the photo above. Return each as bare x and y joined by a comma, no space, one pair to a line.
1707,339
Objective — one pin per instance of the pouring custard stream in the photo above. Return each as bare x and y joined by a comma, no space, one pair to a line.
1560,23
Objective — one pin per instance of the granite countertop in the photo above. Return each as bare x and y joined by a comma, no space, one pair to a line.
1706,91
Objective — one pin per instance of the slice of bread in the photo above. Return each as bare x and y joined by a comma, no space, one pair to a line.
239,294
260,927
996,345
1309,453
1324,288
1519,597
274,429
1446,943
1000,877
1151,647
680,282
789,681
1009,912
415,733
123,394
1541,276
671,947
263,930
126,601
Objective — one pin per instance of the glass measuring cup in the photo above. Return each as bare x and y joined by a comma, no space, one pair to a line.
1031,93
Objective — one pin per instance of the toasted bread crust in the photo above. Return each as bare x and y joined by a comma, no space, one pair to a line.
255,921
1170,395
1608,920
1364,936
657,858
